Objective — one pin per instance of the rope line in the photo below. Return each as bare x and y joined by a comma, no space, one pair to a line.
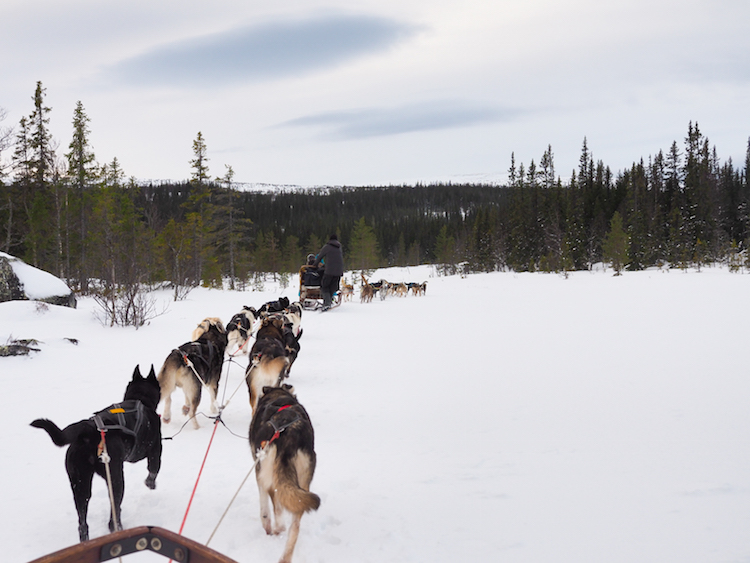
190,502
233,499
106,459
260,455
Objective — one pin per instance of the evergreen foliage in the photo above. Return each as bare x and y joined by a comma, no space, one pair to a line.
683,207
615,247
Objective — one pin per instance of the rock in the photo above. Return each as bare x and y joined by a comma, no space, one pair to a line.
20,282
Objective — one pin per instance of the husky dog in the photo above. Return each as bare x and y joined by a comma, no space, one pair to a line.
282,431
269,363
418,289
347,290
274,306
293,316
194,365
239,330
366,293
291,342
132,433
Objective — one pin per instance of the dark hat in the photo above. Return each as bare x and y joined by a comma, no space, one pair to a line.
334,237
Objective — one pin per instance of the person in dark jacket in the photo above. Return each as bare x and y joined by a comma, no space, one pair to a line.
332,258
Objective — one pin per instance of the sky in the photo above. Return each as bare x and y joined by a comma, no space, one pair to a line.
375,93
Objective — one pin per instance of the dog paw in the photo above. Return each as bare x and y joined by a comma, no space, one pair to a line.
267,527
166,420
185,409
150,482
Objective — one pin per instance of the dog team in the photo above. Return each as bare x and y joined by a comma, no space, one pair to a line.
384,288
281,435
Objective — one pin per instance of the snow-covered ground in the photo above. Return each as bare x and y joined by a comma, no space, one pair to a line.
502,417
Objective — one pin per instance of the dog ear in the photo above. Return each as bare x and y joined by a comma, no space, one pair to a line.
137,373
152,373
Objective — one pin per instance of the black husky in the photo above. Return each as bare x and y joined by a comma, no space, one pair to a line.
132,432
282,430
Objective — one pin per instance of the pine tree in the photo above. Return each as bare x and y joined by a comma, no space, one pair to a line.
363,247
41,158
82,172
200,208
174,243
199,163
40,142
291,255
615,246
445,252
16,226
230,222
547,165
512,173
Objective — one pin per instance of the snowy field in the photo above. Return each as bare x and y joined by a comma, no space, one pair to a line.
502,417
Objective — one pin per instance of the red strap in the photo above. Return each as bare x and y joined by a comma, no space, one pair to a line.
102,445
277,433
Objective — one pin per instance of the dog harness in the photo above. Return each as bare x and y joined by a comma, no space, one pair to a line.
194,351
278,428
127,417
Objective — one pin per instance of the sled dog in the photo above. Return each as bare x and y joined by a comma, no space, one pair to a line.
274,306
282,436
131,432
239,330
269,361
192,366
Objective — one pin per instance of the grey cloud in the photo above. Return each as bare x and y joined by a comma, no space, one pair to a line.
376,122
265,51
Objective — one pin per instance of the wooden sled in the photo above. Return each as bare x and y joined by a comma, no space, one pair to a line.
144,538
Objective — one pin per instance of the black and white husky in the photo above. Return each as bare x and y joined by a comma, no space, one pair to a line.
239,330
283,441
132,432
192,366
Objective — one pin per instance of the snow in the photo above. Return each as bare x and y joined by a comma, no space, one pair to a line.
501,417
37,284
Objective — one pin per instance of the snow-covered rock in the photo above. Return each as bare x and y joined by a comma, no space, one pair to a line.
20,282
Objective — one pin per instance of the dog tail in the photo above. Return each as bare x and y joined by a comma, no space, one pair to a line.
58,436
294,498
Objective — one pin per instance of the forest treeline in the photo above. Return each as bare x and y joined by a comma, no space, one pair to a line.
100,231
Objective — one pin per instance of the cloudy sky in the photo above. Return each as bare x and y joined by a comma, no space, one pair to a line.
315,92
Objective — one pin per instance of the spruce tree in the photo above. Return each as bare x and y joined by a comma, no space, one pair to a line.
200,208
445,252
363,247
615,246
41,158
199,163
82,173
